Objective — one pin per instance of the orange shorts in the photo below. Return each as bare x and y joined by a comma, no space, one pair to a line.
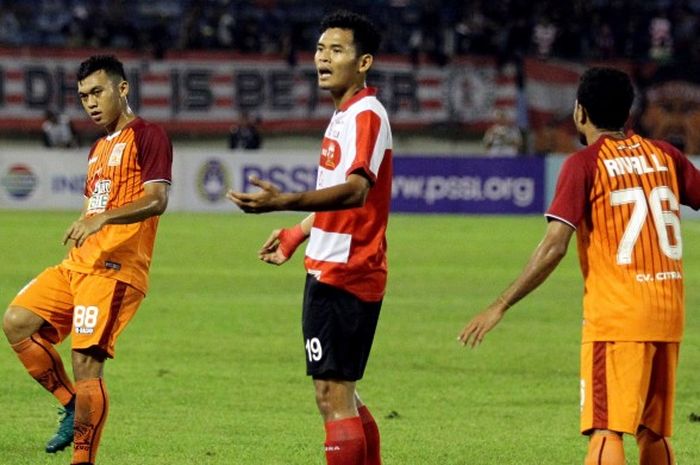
93,309
625,385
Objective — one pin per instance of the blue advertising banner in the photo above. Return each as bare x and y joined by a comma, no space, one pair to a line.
468,185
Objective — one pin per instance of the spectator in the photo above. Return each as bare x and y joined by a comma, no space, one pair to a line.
245,135
543,36
670,108
59,131
503,137
10,29
661,38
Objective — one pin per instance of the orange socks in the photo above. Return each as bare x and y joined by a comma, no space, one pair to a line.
45,365
91,408
654,449
371,436
605,449
345,442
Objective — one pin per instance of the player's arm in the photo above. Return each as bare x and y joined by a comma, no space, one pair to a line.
543,261
280,246
153,203
350,194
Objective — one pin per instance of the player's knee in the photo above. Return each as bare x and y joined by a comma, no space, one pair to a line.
88,363
18,324
335,398
323,397
647,438
647,435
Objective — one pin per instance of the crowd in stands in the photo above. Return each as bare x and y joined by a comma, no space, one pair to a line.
434,31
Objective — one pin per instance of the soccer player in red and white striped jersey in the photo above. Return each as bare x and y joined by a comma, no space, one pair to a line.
346,254
621,195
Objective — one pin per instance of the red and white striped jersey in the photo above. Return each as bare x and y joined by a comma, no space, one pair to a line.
347,248
623,197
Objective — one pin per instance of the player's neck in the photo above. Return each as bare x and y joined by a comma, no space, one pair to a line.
341,98
126,117
594,134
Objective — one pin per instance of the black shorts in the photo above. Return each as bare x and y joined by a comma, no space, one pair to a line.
338,331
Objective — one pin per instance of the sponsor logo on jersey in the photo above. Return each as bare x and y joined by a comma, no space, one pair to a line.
100,196
113,265
330,154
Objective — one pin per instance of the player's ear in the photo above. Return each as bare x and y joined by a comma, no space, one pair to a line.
580,115
123,88
365,62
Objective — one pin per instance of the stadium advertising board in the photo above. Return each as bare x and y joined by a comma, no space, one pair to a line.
468,185
37,179
201,179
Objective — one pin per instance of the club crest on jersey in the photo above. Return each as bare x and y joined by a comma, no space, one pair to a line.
330,154
115,158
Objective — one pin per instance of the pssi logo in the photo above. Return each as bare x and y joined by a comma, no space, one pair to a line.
19,181
213,180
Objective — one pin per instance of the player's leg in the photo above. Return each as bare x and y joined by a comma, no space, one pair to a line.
345,438
657,420
92,404
612,377
654,449
38,317
605,448
103,309
338,332
38,355
371,433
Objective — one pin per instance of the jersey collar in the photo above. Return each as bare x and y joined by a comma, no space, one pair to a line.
364,92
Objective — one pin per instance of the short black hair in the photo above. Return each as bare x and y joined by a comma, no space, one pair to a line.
607,95
108,63
365,34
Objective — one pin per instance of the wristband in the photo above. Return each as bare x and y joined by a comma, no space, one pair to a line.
290,239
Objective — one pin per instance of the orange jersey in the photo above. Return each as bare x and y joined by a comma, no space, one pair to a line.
623,198
118,167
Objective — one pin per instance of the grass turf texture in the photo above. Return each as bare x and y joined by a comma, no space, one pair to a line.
211,370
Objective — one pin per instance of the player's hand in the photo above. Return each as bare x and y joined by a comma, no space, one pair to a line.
83,228
265,200
271,252
474,332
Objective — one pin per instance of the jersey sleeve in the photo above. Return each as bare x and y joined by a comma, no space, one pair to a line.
155,154
571,193
368,156
688,176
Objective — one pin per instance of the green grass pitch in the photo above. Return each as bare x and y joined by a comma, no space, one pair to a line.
211,370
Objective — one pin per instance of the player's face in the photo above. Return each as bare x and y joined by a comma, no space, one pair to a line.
578,122
675,119
336,59
102,98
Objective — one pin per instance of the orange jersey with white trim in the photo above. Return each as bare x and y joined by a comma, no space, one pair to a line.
623,198
118,167
347,248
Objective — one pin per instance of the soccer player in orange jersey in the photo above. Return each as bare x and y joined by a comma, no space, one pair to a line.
621,195
95,291
346,254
